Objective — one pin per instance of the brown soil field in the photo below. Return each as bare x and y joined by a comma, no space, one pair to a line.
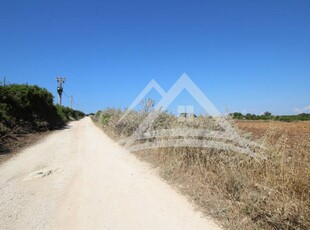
294,131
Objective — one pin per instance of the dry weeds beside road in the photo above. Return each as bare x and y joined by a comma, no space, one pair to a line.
78,178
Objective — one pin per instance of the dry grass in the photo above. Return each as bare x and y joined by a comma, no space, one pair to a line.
241,192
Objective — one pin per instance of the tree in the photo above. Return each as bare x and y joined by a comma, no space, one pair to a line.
237,115
267,114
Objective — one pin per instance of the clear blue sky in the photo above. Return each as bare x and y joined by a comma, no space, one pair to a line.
245,55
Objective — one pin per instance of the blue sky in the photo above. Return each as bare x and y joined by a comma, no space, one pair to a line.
249,56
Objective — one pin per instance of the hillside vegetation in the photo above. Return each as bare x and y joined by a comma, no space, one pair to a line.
29,108
241,191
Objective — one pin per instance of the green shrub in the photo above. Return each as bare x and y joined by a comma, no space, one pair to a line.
29,108
68,114
269,116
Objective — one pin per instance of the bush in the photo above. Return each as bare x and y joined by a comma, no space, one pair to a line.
68,114
29,108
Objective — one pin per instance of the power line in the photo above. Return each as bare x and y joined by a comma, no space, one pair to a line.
60,81
64,92
72,101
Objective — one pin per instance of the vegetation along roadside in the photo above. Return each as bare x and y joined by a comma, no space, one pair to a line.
241,192
26,110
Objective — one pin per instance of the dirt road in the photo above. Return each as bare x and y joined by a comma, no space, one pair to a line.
78,178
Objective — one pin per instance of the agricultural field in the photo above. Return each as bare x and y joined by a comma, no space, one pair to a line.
295,132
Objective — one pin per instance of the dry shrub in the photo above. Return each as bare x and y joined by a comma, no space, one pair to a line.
240,191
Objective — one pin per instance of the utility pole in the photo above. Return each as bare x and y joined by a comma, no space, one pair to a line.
60,81
71,101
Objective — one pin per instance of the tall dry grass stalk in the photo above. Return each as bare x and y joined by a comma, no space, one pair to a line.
242,192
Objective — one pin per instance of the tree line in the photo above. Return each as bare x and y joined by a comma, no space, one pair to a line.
270,116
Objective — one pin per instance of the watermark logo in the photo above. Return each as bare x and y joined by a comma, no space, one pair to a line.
222,137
